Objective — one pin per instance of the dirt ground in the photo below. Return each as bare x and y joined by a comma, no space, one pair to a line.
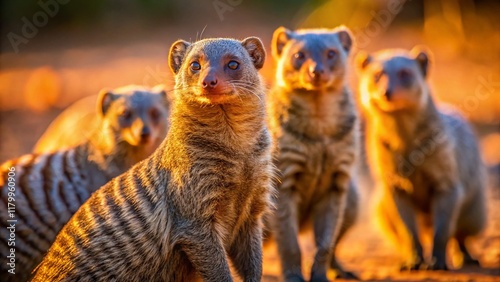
36,84
368,254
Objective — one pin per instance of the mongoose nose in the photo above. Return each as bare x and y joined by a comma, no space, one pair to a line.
316,71
145,133
209,83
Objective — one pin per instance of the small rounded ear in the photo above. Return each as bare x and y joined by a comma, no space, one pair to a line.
362,60
345,38
256,50
280,37
104,101
177,54
164,94
421,54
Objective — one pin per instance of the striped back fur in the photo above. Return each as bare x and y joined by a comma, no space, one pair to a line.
45,190
199,198
48,190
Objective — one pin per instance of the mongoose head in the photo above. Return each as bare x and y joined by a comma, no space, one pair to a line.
311,59
136,115
393,80
217,71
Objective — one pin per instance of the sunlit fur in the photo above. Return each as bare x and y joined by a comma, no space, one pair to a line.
199,198
50,187
137,117
426,161
316,129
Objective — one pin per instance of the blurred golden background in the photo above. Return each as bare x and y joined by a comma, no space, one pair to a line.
56,52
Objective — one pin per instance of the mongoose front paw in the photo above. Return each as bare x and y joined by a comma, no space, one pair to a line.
346,275
319,278
343,274
439,265
294,278
471,262
417,265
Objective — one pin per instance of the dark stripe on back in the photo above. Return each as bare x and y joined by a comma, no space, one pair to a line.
40,206
49,185
74,178
30,212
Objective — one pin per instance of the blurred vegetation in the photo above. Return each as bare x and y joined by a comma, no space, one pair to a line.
462,26
83,12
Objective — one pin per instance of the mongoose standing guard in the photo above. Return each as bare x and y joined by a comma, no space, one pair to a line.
46,189
313,117
426,161
199,198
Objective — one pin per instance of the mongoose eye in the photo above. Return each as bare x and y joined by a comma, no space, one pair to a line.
233,65
195,66
404,74
155,114
299,55
331,54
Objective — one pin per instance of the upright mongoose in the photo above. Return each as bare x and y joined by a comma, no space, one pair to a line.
313,117
45,190
199,198
426,161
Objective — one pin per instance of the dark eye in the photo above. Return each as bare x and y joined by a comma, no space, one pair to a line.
155,114
404,74
195,66
233,65
126,114
331,54
299,55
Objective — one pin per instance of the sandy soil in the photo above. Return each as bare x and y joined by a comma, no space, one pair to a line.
367,253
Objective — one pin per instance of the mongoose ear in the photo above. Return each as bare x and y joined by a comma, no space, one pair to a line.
104,100
256,50
177,54
362,60
421,55
345,38
280,38
165,96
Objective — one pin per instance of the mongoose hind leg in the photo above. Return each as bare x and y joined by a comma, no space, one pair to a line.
286,229
468,259
444,216
470,222
328,217
350,217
